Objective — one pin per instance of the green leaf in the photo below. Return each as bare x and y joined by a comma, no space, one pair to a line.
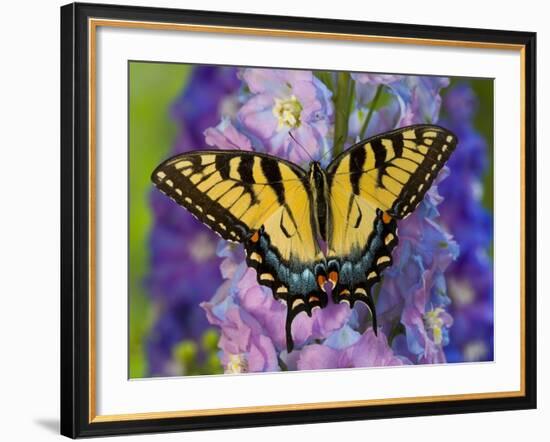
372,107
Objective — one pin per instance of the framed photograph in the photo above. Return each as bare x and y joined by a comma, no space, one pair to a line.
279,220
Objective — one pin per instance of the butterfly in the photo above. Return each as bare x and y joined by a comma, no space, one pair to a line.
316,234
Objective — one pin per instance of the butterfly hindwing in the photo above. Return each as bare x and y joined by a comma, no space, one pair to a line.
372,184
287,258
360,245
260,201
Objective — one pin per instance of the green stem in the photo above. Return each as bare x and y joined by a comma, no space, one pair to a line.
371,111
343,98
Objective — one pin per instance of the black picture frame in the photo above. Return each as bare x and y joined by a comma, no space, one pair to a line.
75,220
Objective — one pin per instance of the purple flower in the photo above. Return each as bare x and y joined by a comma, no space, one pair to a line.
245,347
288,111
206,98
226,136
428,309
414,99
242,292
413,292
375,79
414,289
470,278
368,350
184,268
421,95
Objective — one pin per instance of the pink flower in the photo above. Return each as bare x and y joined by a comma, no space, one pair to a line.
226,136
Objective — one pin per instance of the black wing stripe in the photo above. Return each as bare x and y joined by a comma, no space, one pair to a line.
245,169
273,174
356,163
379,152
222,166
397,144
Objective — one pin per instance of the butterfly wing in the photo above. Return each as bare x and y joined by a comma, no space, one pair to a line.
261,201
372,184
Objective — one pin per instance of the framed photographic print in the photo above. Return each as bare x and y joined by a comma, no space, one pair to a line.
278,220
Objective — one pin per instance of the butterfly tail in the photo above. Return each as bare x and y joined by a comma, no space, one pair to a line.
288,329
370,304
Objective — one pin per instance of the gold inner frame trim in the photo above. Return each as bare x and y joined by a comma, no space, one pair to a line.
93,24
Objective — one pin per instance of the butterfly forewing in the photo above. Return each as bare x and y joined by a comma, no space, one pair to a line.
231,192
394,170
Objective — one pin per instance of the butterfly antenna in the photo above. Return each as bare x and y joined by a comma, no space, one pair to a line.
304,149
327,152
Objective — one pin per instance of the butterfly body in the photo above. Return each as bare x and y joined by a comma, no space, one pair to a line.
318,185
285,216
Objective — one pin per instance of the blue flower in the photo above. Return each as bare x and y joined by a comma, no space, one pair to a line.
414,291
470,278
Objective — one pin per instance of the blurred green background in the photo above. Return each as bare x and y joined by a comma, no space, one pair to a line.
152,89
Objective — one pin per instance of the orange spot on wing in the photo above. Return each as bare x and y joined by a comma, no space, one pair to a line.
255,237
321,281
333,277
386,218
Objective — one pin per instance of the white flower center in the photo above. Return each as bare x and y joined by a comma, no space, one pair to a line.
202,248
287,111
237,364
475,351
434,323
461,292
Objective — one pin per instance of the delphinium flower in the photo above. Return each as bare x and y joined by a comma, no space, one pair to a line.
470,278
288,113
184,268
413,296
412,299
367,350
386,102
